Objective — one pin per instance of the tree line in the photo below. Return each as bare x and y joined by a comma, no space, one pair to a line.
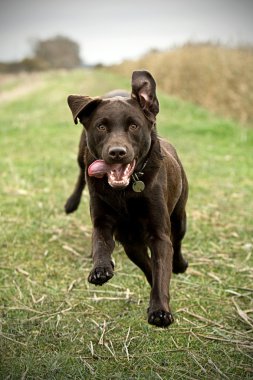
54,53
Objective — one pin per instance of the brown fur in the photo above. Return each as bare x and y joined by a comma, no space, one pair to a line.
153,219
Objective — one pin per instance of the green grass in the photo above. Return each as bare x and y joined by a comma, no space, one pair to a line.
53,324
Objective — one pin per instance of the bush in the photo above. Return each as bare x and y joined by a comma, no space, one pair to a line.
58,52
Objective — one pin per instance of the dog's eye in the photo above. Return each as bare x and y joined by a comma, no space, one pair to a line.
133,127
101,127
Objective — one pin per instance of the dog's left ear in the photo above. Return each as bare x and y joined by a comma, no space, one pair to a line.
82,106
144,91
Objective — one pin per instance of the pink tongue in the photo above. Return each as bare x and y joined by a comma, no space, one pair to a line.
99,168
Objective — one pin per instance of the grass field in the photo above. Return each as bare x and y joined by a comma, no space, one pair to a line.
53,324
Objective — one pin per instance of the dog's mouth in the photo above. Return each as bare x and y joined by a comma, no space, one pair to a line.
118,174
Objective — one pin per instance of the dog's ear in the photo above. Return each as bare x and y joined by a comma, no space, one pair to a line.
144,91
82,106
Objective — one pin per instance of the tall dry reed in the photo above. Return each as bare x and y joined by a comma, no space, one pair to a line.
216,77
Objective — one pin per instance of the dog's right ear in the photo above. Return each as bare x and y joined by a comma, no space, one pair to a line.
82,106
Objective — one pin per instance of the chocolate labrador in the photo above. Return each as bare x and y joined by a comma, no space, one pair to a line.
138,188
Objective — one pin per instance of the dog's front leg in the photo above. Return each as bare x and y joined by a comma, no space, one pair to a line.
102,242
161,257
102,248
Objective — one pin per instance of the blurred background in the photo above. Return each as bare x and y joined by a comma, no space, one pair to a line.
198,50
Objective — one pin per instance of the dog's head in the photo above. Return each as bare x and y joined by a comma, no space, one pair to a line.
118,129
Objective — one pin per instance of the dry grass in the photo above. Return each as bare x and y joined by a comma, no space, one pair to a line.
216,77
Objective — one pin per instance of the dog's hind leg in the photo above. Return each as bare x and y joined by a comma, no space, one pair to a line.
74,199
138,254
178,229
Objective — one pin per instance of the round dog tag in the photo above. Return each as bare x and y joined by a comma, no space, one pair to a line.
138,186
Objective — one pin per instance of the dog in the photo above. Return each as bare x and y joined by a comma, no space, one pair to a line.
137,185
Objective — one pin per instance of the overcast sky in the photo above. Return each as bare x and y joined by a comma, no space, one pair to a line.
110,30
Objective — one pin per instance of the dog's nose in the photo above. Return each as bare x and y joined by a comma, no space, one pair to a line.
117,152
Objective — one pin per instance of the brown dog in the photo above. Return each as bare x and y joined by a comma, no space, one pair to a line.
137,185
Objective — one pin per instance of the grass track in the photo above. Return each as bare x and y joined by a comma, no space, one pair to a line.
53,325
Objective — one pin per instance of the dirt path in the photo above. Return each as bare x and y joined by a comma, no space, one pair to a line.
15,86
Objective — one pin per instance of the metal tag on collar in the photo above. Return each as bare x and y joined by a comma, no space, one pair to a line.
138,186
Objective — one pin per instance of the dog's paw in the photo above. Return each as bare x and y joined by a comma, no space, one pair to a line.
160,318
100,275
180,266
72,204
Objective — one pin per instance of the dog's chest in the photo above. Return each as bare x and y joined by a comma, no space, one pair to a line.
126,206
130,214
